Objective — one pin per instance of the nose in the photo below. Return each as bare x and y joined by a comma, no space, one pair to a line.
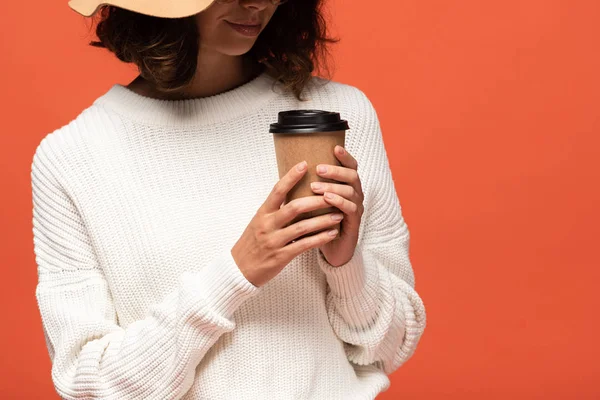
255,4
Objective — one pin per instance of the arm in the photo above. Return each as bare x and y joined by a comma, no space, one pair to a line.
372,304
92,356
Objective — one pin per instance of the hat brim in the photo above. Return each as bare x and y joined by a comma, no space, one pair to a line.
156,8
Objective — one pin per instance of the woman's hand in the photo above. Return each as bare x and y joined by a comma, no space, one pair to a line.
348,198
268,243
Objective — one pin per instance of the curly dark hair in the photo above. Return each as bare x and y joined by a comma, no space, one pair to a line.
165,50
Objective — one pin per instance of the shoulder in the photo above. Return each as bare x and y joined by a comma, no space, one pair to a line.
350,101
64,148
61,139
341,91
74,136
86,130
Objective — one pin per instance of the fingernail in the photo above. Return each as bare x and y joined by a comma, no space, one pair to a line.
315,185
321,169
301,166
341,149
337,217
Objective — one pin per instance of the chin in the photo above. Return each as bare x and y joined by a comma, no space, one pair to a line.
237,51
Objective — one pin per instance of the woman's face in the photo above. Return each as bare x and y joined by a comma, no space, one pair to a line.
215,29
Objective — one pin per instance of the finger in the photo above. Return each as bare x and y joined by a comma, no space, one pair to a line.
287,213
340,174
348,161
297,247
345,158
346,206
282,187
309,226
346,191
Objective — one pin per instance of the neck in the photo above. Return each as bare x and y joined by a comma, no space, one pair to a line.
226,106
215,73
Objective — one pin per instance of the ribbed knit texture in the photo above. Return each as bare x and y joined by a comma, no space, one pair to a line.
137,203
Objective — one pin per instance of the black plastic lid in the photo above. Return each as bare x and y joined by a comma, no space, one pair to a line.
308,121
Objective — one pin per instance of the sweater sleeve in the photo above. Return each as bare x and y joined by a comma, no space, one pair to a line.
92,356
372,303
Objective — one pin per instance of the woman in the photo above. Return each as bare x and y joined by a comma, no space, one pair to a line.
166,270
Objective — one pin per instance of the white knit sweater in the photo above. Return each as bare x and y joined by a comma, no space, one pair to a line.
136,205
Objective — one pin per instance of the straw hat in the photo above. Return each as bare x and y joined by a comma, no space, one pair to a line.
156,8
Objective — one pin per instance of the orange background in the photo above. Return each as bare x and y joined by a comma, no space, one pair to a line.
490,116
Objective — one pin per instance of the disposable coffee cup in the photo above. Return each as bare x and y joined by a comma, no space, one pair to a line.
309,135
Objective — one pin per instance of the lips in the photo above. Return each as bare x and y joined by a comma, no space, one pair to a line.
246,23
245,29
